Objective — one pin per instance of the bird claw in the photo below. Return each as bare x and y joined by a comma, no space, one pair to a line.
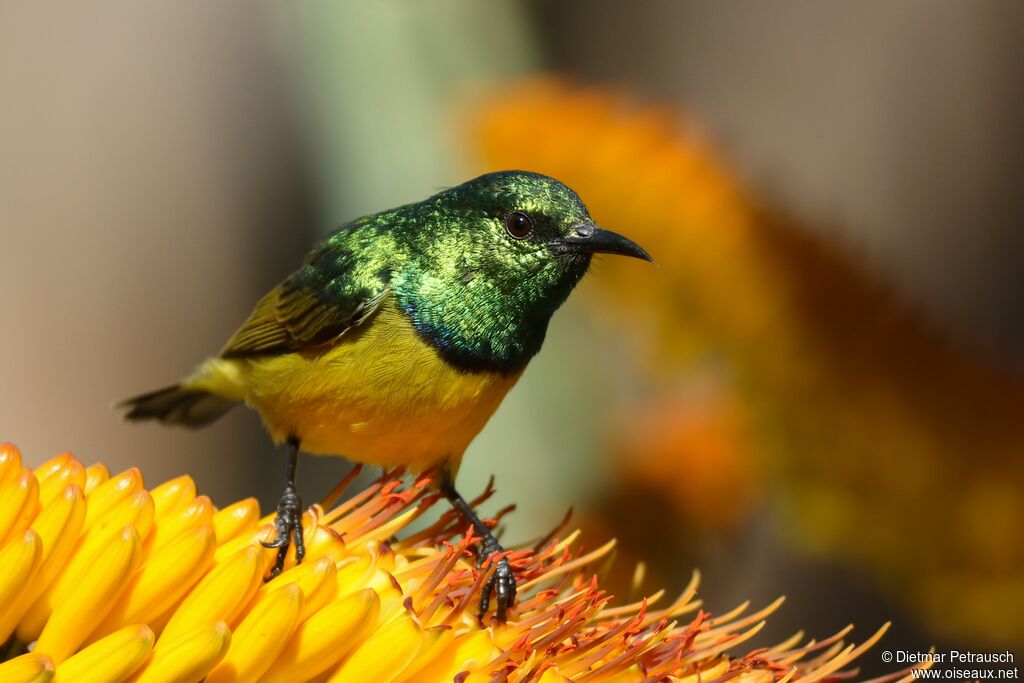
288,522
501,584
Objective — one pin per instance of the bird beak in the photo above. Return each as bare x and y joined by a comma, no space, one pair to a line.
590,239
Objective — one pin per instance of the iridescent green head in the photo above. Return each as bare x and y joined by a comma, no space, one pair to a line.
491,260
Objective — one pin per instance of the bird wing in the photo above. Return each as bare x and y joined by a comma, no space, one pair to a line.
311,309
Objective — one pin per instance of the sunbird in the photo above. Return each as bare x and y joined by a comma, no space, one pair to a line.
398,337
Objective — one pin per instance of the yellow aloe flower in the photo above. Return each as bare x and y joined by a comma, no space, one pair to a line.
146,589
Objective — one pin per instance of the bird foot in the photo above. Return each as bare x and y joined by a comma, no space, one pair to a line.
501,584
288,523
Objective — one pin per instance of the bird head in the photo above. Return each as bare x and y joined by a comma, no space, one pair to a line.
494,258
521,223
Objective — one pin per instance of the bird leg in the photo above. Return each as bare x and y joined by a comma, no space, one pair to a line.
502,582
289,516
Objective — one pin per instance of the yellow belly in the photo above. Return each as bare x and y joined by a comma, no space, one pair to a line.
380,396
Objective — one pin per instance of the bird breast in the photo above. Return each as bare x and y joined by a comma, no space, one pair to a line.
380,395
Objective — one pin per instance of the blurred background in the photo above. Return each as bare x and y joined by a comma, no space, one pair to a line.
817,393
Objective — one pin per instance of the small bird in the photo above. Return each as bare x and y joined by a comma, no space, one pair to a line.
398,337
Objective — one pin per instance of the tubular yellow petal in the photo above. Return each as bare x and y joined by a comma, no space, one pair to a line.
52,466
435,641
18,506
465,652
173,494
221,595
229,549
326,638
353,574
322,541
187,657
31,667
552,676
384,655
168,527
392,599
77,615
260,637
162,581
226,549
54,482
109,660
319,585
137,511
94,476
18,561
111,493
10,463
316,580
58,527
236,519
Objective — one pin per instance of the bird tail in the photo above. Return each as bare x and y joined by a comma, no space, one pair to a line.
177,405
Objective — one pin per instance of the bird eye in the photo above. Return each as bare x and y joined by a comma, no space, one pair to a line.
518,225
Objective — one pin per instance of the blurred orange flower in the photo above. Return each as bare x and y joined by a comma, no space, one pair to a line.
853,411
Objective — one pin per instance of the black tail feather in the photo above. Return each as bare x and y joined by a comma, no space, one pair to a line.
176,405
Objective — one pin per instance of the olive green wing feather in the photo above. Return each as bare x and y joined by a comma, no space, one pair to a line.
311,309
